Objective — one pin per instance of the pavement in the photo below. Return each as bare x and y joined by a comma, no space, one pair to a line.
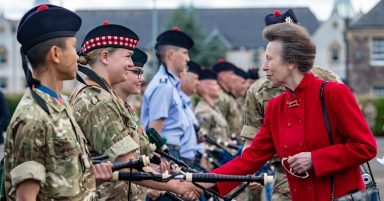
377,168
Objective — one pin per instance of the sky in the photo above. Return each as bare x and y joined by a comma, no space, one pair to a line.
14,9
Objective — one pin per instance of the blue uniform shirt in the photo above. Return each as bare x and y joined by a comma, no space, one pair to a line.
189,144
162,99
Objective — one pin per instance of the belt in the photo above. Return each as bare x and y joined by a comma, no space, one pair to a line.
172,147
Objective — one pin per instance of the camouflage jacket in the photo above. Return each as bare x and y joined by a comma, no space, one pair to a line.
229,109
49,149
102,116
211,120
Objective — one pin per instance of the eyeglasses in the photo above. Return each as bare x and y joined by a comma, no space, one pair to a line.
139,72
290,170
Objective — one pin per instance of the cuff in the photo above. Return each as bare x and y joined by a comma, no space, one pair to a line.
28,170
249,132
122,147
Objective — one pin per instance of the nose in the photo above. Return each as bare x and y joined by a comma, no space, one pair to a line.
130,62
265,66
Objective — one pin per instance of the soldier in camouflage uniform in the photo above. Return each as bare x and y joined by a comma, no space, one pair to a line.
208,114
45,156
255,104
226,102
99,111
124,90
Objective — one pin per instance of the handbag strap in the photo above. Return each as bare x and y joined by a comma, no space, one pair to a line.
329,131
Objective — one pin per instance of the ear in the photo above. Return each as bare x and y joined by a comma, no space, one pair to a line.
104,57
54,54
170,53
291,66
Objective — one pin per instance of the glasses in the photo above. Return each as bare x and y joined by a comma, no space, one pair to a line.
290,170
138,72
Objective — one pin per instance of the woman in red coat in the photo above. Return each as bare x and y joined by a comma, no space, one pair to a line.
294,125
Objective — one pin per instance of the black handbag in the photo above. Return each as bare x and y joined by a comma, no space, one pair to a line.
369,194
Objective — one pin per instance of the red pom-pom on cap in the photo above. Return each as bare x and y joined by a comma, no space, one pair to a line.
277,13
106,22
42,7
175,29
221,60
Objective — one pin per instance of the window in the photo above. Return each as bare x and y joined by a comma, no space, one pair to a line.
3,55
334,53
377,51
377,90
3,83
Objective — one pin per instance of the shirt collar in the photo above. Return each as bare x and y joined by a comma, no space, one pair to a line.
56,104
175,80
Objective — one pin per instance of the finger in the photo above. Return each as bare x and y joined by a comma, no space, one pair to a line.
292,159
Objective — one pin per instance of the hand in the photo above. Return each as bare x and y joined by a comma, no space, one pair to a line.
255,186
301,162
182,187
190,196
153,194
103,171
166,166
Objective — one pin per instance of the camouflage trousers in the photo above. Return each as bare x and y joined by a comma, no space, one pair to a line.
281,190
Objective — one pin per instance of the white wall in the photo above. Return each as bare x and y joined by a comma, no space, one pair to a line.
327,35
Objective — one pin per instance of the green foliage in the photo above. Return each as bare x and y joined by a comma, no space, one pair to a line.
205,54
12,101
213,51
379,104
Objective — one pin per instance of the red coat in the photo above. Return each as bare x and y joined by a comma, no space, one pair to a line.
291,130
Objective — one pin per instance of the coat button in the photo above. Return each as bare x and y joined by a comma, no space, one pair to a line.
300,121
289,124
285,147
309,188
301,144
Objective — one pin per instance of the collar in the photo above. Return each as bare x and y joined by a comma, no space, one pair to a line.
173,78
305,82
56,104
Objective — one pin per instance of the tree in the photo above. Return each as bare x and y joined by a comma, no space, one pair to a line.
206,53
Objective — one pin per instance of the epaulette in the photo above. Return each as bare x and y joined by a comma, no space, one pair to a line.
163,80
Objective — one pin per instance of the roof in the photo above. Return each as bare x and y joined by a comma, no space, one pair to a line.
372,19
242,27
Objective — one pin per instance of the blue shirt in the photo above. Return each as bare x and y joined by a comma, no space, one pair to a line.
162,99
189,144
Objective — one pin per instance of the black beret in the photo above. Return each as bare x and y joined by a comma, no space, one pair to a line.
289,16
110,35
139,57
175,37
46,22
223,65
253,73
194,67
241,73
206,74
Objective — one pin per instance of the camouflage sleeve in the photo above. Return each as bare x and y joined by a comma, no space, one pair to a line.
107,132
29,151
234,117
252,116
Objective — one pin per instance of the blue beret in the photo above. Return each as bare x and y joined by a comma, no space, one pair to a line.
46,22
110,35
175,37
289,16
223,65
206,74
139,57
194,67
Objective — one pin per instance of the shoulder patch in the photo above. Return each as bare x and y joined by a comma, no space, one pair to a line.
163,80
